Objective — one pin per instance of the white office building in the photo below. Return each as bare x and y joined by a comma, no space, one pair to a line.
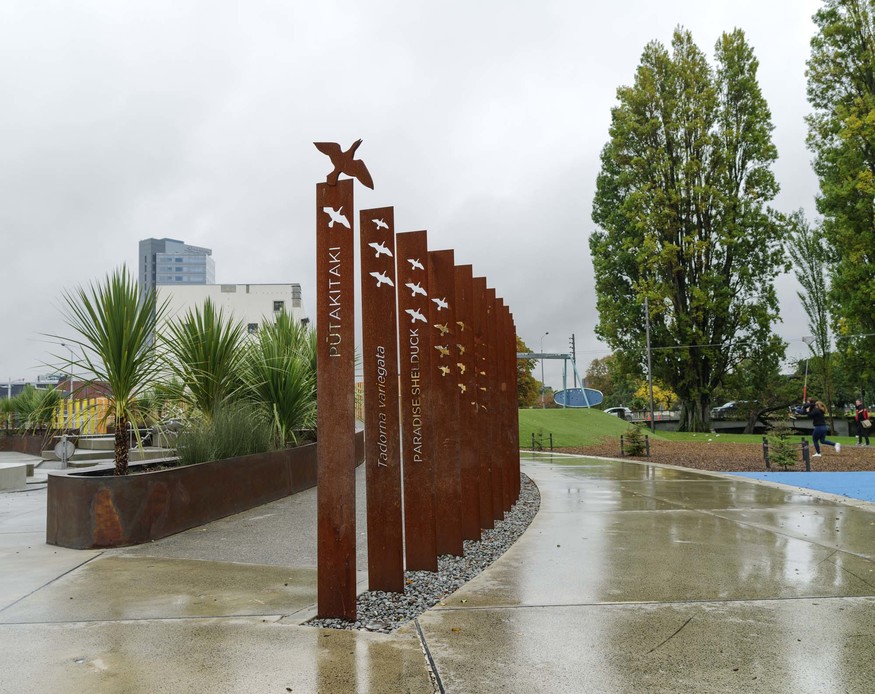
251,304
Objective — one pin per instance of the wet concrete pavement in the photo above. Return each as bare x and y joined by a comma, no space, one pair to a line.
632,577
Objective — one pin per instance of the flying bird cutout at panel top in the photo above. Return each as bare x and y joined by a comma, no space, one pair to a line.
344,163
380,224
415,264
336,216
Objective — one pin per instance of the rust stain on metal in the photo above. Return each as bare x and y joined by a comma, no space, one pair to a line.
336,540
445,403
382,428
415,352
468,404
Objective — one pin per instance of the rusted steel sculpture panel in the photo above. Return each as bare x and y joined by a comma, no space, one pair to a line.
415,350
445,403
380,370
336,416
464,369
494,376
481,384
514,423
508,409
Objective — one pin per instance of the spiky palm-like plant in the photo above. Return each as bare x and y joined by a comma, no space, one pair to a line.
205,351
281,377
117,336
35,408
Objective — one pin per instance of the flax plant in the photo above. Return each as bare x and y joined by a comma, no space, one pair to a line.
116,331
280,377
205,351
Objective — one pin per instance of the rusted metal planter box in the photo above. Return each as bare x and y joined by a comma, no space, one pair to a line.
90,511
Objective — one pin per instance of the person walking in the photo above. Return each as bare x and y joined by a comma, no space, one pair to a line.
861,417
817,412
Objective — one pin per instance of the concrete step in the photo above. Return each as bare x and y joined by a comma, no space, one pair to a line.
88,458
96,443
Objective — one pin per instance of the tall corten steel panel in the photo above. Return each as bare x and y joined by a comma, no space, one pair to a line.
494,376
495,390
335,287
514,421
445,403
464,370
481,358
415,349
508,406
382,427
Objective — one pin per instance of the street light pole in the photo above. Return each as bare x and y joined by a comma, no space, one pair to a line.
70,376
649,362
543,387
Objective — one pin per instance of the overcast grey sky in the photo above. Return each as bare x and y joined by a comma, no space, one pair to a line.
482,122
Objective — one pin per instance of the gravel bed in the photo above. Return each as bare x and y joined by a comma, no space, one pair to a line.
384,612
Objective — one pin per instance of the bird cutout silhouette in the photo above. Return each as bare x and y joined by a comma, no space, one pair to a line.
483,388
485,409
336,216
382,278
461,348
380,249
442,350
415,264
415,315
415,289
344,162
380,224
441,303
443,327
461,325
462,387
461,367
444,370
482,373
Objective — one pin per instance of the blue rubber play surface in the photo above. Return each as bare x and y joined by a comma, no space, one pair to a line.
855,485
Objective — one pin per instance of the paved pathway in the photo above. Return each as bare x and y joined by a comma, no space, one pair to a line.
632,577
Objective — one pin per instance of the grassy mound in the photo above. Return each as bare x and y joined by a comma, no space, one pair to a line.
570,427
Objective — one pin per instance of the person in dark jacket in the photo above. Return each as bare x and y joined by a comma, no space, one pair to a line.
861,414
817,412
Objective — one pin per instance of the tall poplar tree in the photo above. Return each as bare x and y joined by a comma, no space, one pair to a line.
841,88
681,206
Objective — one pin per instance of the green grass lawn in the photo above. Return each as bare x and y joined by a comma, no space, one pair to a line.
570,427
586,427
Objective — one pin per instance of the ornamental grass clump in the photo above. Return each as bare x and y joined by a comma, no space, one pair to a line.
233,430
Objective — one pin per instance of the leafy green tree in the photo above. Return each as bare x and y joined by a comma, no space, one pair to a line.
528,387
205,351
681,203
841,134
617,378
810,254
116,330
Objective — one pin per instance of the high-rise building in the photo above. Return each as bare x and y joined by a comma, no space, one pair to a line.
168,261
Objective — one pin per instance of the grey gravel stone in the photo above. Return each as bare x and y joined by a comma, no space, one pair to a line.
384,612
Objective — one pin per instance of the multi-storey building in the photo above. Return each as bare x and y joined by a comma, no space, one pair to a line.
168,261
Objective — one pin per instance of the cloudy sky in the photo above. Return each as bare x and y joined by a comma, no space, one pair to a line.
482,122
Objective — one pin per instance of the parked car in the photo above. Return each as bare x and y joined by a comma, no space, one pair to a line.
727,409
621,412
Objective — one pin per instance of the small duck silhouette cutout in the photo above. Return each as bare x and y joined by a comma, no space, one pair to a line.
462,387
415,264
443,327
380,249
415,289
461,367
380,224
441,303
344,162
461,348
415,315
444,370
382,278
442,350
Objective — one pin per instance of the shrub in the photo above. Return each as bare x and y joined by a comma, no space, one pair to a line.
782,451
634,441
233,430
